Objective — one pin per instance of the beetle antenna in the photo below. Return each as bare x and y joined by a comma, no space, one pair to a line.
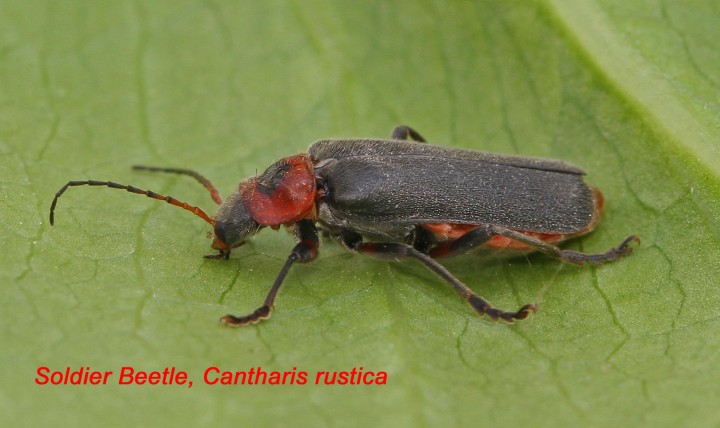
149,193
214,194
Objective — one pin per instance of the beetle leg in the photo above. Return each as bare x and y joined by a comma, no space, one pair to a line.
570,256
397,251
305,251
404,132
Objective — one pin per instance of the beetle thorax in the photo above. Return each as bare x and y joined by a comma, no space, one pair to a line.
284,193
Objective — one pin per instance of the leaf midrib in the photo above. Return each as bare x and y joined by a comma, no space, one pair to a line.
640,83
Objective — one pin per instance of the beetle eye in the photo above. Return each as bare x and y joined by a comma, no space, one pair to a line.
221,231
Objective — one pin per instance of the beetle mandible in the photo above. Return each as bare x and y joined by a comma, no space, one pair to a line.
403,198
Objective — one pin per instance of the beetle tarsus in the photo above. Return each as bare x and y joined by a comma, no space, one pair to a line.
221,255
483,307
259,314
611,255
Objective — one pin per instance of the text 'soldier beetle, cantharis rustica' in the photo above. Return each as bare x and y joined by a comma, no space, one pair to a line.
408,199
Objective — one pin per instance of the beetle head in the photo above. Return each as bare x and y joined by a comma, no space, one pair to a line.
233,223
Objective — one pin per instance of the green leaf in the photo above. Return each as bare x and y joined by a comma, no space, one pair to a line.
627,90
